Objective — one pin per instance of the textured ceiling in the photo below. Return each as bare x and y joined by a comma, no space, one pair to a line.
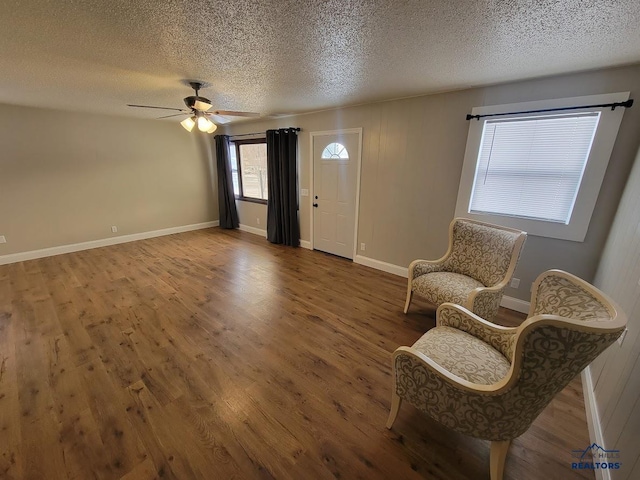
284,56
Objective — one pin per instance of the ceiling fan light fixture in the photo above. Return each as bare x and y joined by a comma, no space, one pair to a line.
197,108
201,106
188,123
204,124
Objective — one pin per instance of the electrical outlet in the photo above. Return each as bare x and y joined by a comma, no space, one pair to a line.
515,282
114,229
622,337
362,247
2,239
258,221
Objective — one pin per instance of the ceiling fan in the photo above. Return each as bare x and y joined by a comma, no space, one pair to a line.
198,111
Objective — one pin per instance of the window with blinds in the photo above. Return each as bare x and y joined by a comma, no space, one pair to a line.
539,172
532,167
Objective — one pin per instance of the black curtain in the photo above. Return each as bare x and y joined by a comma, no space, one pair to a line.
226,198
282,173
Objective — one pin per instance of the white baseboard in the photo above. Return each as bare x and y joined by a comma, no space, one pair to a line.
254,230
306,244
384,266
593,419
516,304
105,242
263,233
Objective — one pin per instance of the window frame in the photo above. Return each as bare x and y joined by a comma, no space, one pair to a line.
592,178
236,146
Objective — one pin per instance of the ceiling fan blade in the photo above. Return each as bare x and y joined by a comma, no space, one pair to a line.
219,119
160,108
231,113
172,115
202,106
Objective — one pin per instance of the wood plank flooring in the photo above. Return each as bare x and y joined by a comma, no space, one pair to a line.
216,355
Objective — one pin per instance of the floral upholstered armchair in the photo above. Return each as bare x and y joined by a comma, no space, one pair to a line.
475,270
491,382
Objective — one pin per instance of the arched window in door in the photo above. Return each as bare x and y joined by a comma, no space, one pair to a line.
335,151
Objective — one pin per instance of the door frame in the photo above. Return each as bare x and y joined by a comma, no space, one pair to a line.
358,169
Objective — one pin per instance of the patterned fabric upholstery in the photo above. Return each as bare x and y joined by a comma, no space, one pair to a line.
463,355
481,252
500,338
480,255
558,296
540,357
424,267
509,414
487,303
440,287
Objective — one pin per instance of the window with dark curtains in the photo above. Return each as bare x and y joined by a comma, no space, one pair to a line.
282,173
226,198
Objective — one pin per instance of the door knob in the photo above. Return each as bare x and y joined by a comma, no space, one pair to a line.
315,205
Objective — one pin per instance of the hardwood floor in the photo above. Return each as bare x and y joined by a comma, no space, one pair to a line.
216,355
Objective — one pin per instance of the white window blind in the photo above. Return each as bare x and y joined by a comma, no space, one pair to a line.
234,168
532,167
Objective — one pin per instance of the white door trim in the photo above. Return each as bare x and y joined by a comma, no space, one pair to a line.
358,168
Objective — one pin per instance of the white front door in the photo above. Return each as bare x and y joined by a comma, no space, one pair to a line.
335,176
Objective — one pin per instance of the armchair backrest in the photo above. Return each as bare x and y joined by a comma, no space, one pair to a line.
559,293
485,252
570,324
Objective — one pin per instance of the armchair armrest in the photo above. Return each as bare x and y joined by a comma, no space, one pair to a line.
408,361
485,301
422,267
499,337
453,401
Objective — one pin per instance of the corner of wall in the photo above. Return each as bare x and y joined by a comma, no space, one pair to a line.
593,419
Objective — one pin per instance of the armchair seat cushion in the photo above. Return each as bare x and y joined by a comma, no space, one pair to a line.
440,287
464,355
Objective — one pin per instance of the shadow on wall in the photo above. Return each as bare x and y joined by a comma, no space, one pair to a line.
204,143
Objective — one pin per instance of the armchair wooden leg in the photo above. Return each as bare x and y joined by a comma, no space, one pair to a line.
409,297
498,458
395,407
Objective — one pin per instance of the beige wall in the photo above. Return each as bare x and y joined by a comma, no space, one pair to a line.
68,177
412,158
252,214
616,374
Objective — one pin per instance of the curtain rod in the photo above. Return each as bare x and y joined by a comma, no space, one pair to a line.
295,129
613,106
